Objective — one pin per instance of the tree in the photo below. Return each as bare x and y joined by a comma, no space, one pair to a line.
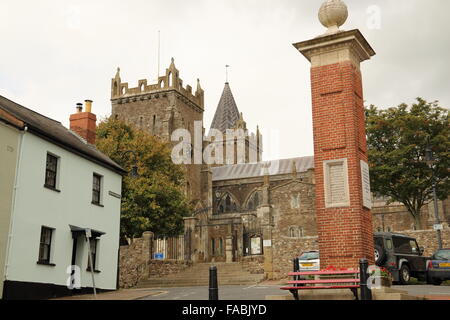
155,200
397,140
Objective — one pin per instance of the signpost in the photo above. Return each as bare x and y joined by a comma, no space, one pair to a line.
91,265
158,256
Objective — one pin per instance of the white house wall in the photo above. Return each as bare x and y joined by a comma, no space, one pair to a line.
37,206
9,145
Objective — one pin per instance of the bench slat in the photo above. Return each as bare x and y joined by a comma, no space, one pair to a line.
313,273
321,287
324,281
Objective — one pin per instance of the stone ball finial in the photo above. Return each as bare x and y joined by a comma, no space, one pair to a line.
333,14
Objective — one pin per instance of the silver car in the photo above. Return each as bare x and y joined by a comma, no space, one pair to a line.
309,261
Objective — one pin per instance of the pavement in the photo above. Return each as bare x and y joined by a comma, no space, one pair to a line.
429,292
254,292
122,294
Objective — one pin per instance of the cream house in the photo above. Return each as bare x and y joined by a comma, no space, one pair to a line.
55,187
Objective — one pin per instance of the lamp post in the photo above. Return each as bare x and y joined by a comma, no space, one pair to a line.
430,162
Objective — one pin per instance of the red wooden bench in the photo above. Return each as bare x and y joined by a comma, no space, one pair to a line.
328,279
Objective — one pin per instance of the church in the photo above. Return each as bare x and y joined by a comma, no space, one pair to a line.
259,213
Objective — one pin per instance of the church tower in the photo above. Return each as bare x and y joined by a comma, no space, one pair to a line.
160,109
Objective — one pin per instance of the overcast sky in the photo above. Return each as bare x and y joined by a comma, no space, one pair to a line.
55,53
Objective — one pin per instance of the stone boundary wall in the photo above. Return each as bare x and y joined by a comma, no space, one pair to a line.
285,249
135,263
253,264
428,239
161,268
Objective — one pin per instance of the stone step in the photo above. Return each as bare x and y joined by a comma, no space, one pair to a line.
198,275
156,284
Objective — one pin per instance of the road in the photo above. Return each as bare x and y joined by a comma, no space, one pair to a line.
425,290
256,292
259,292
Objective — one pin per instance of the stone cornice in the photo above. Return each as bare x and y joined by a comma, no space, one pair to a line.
353,40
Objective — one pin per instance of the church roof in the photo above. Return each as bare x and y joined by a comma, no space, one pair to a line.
227,112
250,170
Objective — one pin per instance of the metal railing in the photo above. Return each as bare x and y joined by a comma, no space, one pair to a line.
169,248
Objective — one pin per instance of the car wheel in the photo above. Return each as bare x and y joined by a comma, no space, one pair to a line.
380,255
404,275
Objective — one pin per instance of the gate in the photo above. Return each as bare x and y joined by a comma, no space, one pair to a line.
169,248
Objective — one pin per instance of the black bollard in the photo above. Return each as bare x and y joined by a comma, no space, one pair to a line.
366,294
296,269
296,265
213,287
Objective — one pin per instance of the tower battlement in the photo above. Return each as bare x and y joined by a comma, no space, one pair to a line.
120,92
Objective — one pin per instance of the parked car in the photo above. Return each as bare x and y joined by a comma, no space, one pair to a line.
309,261
438,268
401,255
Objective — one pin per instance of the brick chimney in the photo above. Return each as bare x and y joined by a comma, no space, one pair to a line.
84,123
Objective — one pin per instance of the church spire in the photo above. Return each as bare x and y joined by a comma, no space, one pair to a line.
227,113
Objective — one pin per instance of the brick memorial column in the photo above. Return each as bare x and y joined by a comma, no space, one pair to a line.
343,198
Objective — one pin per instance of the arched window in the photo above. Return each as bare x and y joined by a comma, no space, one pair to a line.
227,204
169,78
254,201
295,232
142,87
295,201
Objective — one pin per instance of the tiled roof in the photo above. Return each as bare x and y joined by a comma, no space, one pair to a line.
227,112
250,170
55,132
